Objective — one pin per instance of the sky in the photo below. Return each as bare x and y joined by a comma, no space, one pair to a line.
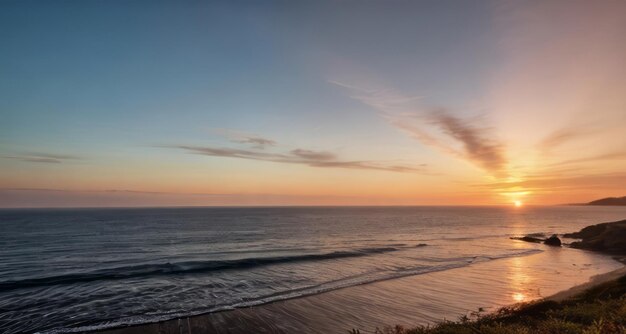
185,103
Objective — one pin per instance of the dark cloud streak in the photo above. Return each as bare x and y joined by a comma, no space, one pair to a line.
313,155
47,158
258,142
478,148
436,128
299,156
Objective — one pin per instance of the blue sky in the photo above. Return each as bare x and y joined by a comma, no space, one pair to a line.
162,68
119,83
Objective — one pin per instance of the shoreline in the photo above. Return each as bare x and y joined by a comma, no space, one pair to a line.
592,283
303,313
183,323
556,274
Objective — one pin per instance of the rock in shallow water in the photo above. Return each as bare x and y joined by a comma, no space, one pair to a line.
528,238
553,241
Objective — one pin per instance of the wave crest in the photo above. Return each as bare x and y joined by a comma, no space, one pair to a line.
188,267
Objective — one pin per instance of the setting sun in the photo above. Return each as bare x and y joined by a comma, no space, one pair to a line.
518,203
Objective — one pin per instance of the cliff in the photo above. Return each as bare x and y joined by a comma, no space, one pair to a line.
606,237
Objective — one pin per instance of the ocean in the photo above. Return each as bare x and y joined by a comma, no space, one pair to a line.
68,270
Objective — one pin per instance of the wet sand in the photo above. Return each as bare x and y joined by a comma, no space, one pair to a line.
410,301
594,281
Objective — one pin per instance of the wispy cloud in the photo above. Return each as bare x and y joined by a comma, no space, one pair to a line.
42,157
563,136
620,155
299,156
239,137
460,137
313,155
233,153
33,197
259,142
114,191
552,183
477,145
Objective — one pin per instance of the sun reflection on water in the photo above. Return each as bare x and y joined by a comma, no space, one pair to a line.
519,279
519,297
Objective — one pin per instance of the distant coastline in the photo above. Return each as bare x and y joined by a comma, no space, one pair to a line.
608,201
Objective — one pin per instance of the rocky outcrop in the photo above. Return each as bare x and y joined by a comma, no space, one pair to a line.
529,238
553,241
540,238
606,237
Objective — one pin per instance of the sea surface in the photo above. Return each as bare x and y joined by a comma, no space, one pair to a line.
64,270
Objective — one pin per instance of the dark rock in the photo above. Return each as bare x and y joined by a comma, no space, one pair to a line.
528,238
588,232
606,237
553,241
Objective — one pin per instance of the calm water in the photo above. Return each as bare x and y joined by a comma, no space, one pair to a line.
63,270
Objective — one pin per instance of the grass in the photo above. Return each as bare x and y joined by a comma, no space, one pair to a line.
600,310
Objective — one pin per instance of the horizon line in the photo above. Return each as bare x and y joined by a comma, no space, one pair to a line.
279,206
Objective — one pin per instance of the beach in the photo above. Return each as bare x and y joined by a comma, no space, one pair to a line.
593,282
410,301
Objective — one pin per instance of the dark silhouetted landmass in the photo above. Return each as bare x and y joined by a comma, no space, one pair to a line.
553,241
540,238
529,238
607,237
609,201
